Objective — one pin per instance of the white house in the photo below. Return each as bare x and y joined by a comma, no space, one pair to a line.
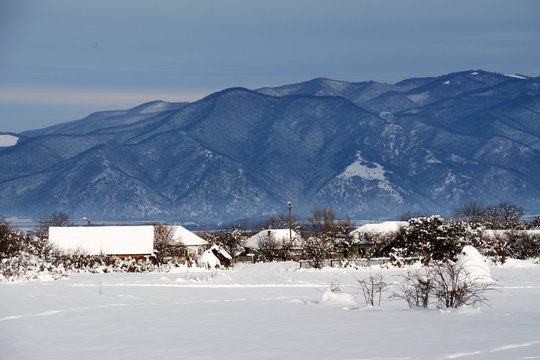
121,241
195,245
279,235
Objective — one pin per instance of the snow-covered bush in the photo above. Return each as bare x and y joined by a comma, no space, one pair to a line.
334,295
316,249
504,244
26,266
426,239
524,244
26,257
434,238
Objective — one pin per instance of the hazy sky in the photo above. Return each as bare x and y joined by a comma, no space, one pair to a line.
63,59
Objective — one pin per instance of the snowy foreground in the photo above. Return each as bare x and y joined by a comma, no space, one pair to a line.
260,311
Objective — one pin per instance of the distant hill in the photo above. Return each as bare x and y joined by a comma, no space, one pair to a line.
366,149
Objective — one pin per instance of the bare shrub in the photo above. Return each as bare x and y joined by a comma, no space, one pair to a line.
415,287
446,285
372,289
335,287
454,286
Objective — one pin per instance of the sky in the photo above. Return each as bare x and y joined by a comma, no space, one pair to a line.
61,60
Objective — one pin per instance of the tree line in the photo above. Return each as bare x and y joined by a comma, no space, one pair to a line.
496,231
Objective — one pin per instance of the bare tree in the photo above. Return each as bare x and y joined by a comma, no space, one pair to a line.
280,221
323,221
164,247
472,212
505,215
411,214
55,219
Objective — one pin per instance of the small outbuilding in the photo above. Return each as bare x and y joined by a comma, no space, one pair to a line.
208,260
120,241
224,257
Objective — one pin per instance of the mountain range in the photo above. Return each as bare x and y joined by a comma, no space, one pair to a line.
365,149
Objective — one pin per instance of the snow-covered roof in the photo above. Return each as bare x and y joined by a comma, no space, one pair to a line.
108,240
221,251
186,237
276,234
381,228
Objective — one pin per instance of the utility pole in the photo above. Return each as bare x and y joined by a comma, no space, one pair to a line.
290,222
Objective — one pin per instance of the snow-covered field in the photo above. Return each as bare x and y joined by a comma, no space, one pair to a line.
260,311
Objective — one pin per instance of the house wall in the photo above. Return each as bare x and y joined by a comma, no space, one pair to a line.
195,251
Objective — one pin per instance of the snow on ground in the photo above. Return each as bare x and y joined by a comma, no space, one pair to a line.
367,172
515,76
260,311
474,264
8,140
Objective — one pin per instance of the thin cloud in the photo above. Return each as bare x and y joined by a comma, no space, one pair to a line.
68,96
